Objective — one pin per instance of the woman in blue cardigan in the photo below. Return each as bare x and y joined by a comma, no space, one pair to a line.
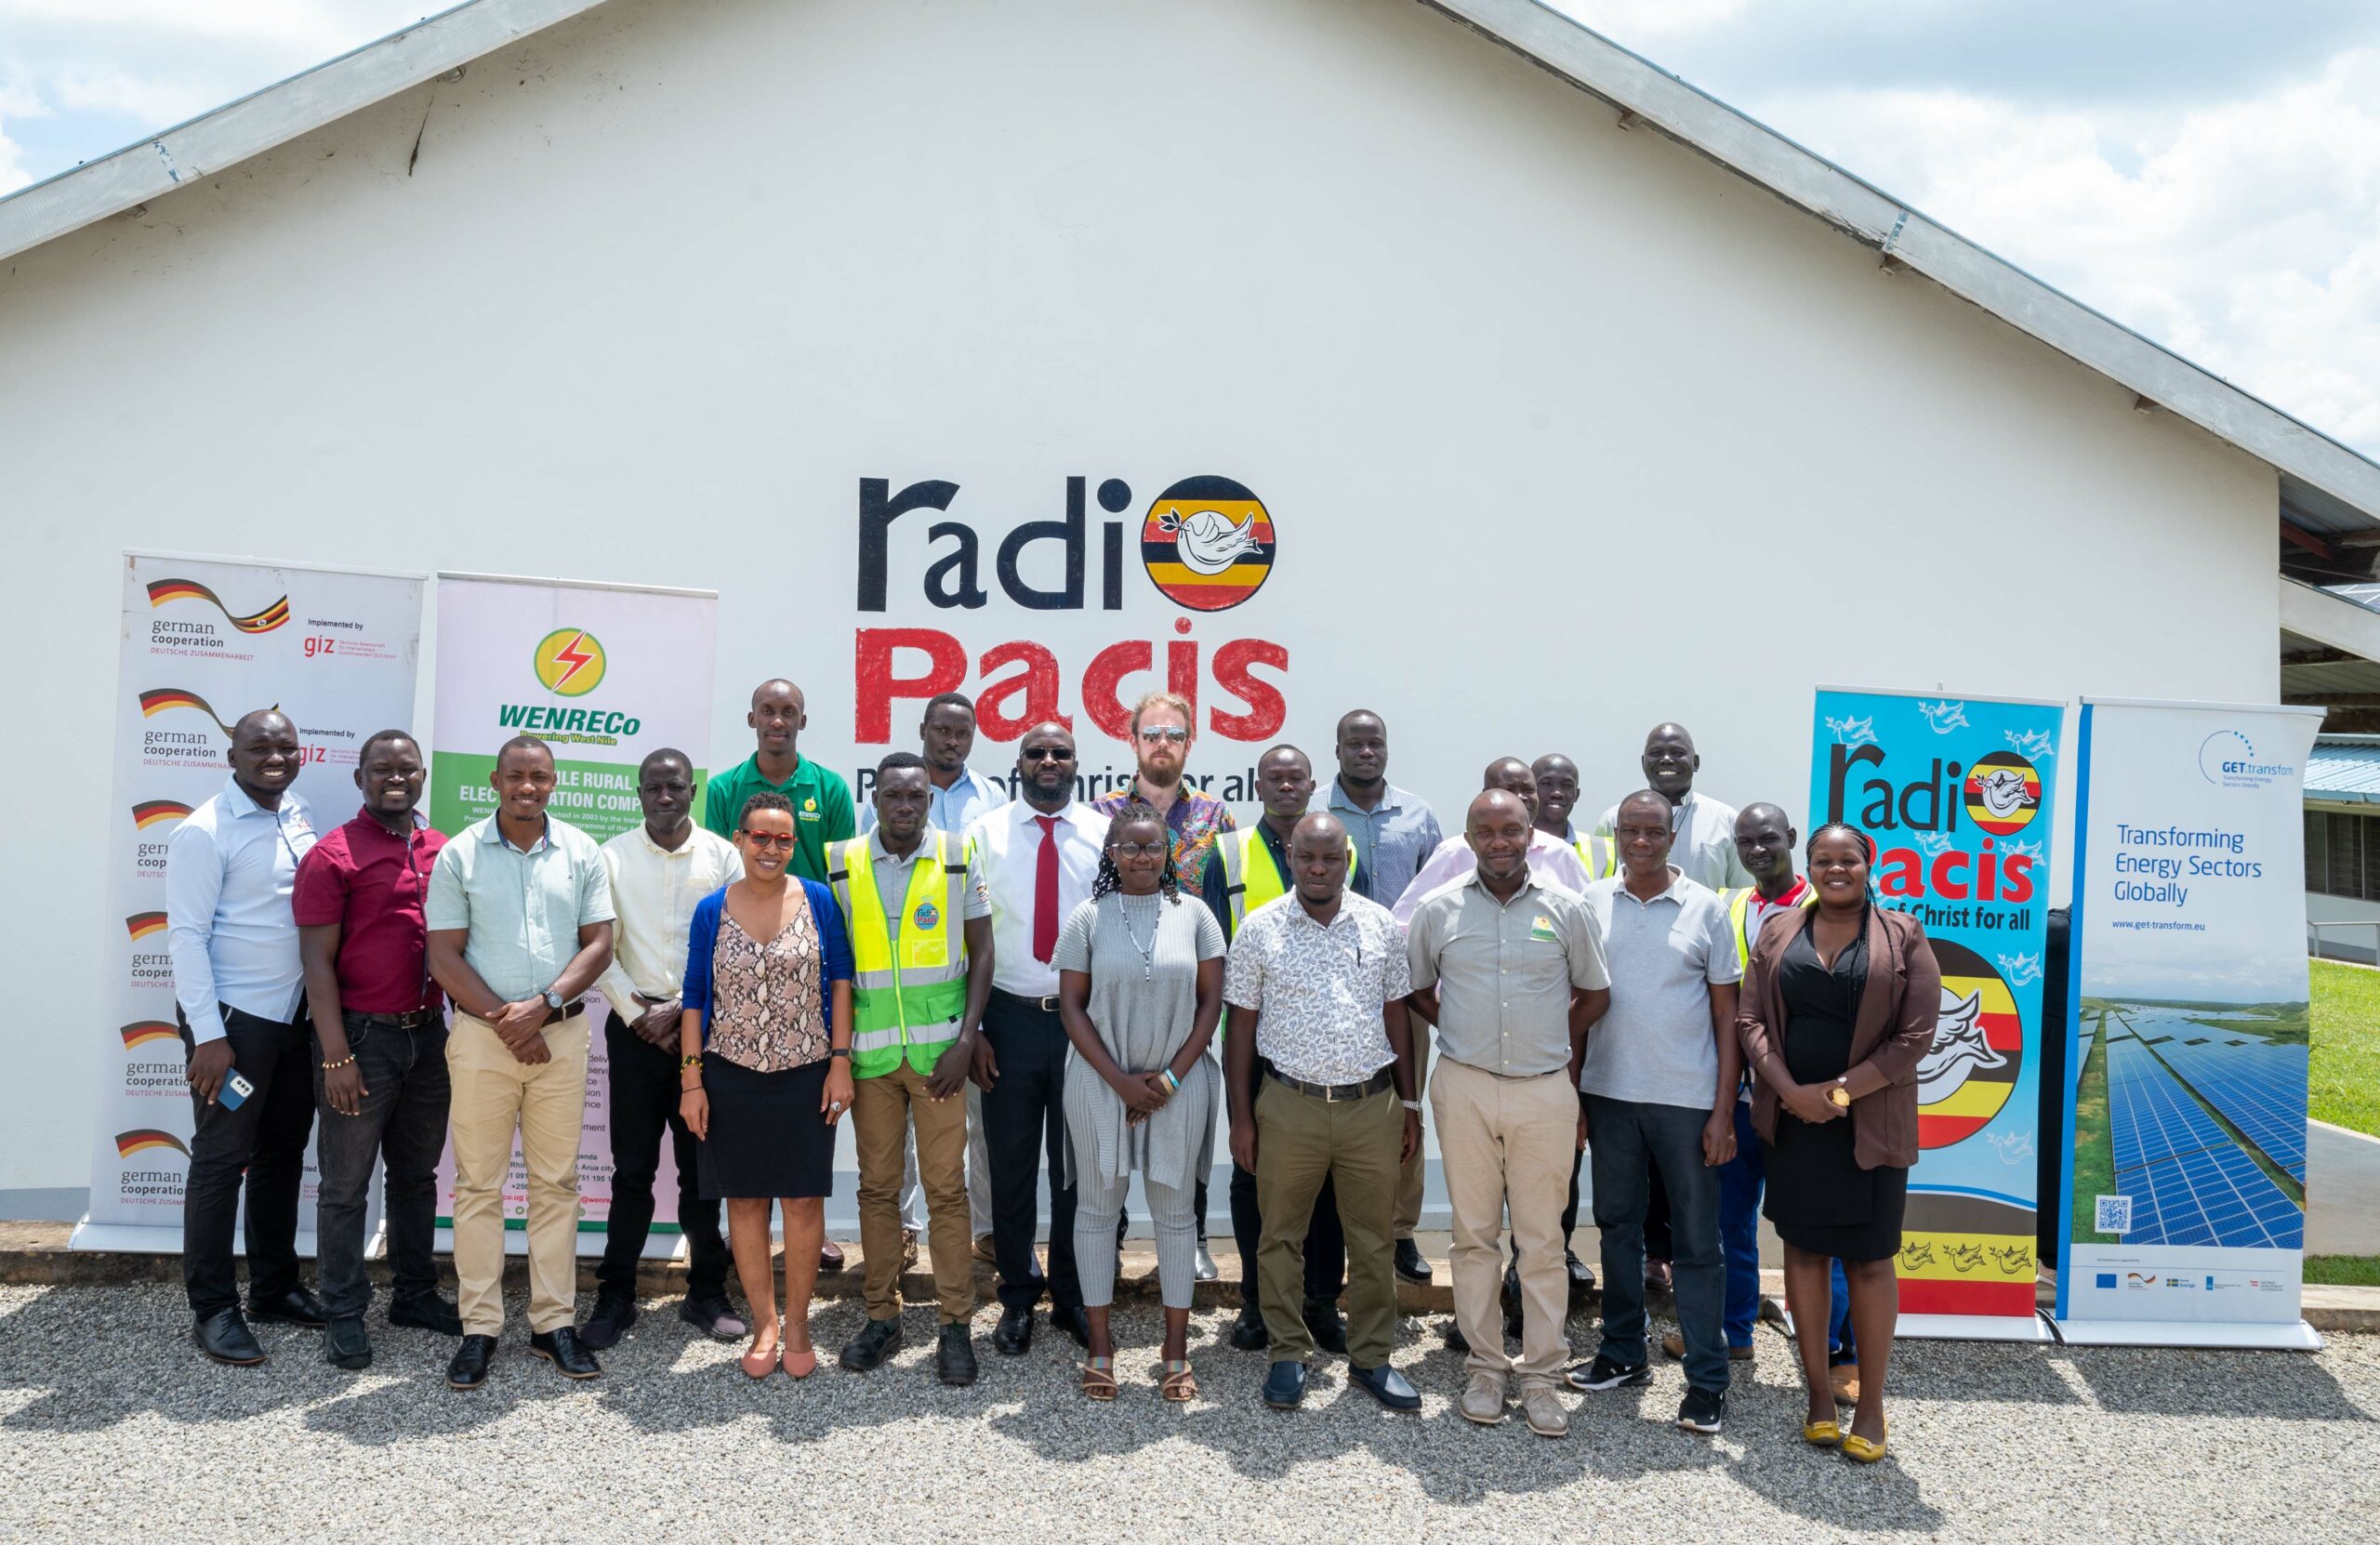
769,984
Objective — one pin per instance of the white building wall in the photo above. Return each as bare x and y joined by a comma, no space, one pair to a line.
1566,430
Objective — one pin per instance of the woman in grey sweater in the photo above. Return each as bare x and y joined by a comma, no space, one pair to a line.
1140,988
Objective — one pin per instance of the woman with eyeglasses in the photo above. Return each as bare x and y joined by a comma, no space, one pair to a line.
1839,1005
769,987
1140,988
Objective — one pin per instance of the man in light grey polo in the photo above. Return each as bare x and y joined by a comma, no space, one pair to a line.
1660,1079
1511,972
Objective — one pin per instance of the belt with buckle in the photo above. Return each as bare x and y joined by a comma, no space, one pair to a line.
1041,1005
1336,1093
417,1020
555,1016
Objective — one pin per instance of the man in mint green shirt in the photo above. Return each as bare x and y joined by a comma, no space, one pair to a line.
822,801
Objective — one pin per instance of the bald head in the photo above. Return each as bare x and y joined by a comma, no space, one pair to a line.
1764,843
1513,776
779,715
1670,760
1497,826
1318,860
1556,777
265,757
1284,785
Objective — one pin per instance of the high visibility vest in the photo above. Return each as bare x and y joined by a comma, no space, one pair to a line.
906,998
1600,854
1739,918
1249,884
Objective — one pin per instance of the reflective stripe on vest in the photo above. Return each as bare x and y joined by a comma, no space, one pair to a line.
1249,885
1600,854
907,995
1739,918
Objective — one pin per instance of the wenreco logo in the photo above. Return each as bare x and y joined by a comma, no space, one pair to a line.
164,590
569,662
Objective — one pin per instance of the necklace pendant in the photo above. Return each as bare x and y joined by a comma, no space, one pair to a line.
1147,972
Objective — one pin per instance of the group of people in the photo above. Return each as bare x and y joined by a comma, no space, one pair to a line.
990,988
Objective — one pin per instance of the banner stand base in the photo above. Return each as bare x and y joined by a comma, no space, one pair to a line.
1965,1328
2299,1336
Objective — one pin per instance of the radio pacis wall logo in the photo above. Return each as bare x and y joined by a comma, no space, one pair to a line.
1968,1073
1208,544
143,1138
569,662
2003,793
163,590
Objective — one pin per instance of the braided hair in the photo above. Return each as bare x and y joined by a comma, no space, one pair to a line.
1867,843
1109,881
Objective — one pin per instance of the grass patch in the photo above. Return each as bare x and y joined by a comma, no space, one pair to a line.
2344,1079
2343,1271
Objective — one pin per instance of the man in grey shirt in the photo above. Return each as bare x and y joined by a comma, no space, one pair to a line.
1511,972
1660,1079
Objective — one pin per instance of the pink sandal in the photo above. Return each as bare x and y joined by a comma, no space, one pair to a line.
799,1365
759,1364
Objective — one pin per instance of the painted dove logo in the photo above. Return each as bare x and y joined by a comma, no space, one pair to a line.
1934,842
1958,1048
2022,970
1206,543
1853,732
1944,717
2029,743
2014,1147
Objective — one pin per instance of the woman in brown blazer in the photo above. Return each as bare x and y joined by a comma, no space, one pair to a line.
1839,1004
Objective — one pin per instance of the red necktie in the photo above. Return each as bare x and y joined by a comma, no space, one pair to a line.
1045,892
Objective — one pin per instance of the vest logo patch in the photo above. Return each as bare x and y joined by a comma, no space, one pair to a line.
1542,927
926,917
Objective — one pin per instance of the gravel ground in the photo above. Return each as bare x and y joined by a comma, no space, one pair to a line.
112,1428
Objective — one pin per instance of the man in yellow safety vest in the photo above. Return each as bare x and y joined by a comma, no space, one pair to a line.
921,952
1558,794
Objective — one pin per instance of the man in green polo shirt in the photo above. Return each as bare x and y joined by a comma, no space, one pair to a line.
822,801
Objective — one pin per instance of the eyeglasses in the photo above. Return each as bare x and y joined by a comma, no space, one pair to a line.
1045,753
1165,734
1138,850
767,839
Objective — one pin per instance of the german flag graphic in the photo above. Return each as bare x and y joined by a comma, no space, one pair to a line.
146,1138
272,616
140,925
157,813
1978,1049
2003,793
141,1032
159,700
1208,544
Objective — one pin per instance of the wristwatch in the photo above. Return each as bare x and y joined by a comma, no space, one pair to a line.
1839,1095
554,1000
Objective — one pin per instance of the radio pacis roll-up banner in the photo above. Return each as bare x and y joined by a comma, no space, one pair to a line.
1957,795
604,674
206,641
2184,1186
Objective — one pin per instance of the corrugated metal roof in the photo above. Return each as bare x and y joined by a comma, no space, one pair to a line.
2345,767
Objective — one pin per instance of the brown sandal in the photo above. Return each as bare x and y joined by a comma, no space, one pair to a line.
1179,1384
1099,1378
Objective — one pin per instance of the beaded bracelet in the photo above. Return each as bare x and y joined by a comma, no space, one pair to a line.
692,1059
1172,1084
347,1061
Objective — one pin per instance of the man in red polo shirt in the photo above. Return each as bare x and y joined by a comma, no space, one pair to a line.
381,1086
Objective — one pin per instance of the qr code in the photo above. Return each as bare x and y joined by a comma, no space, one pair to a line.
2112,1215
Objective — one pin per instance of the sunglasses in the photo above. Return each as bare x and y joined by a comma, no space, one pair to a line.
1045,753
1166,735
768,840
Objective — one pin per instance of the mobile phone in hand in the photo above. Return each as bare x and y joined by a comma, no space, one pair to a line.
235,1089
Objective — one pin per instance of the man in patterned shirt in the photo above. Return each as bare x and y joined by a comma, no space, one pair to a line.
1164,728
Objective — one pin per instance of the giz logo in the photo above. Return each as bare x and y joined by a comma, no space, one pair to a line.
1207,544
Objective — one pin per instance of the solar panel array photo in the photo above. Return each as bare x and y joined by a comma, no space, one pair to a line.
2195,1097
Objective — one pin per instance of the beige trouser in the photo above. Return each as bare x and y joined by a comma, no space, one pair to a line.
495,1093
883,1108
1408,1175
1508,1141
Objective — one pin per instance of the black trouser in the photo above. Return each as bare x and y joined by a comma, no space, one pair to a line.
1656,1211
1326,1241
263,1143
400,1119
1024,1120
644,1083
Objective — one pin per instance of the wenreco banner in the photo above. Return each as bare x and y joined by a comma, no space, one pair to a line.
604,674
206,641
2184,1178
1956,793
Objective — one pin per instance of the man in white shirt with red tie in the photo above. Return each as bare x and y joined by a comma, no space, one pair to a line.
1038,856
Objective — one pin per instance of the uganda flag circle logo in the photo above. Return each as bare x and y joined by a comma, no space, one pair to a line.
2003,793
1978,1049
569,662
1208,544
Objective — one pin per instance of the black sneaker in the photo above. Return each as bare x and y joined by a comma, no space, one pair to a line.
613,1314
877,1341
1247,1332
432,1311
1327,1327
954,1356
1703,1410
1604,1374
1410,1267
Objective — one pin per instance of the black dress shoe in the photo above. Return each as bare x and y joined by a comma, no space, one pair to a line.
1247,1332
954,1356
1284,1386
294,1307
1456,1339
715,1317
1014,1336
1386,1385
430,1312
877,1341
613,1314
469,1370
561,1347
345,1345
1075,1322
1410,1267
1583,1276
1329,1331
226,1339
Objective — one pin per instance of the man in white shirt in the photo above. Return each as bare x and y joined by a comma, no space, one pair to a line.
1038,856
658,872
1702,830
230,869
1550,860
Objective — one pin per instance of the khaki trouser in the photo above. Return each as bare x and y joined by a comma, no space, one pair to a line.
1408,1174
883,1108
1508,1141
495,1092
1301,1140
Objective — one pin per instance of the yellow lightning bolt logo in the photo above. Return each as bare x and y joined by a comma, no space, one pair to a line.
569,662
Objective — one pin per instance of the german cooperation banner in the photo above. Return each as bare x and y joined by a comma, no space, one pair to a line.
1956,794
2184,1179
205,641
604,674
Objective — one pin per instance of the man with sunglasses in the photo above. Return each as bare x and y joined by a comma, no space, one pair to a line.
1164,728
1036,857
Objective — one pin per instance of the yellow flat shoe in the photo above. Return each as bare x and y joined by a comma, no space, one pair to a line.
1822,1434
1859,1448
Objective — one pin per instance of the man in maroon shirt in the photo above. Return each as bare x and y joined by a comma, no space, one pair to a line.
380,1087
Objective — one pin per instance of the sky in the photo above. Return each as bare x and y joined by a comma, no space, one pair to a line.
2206,172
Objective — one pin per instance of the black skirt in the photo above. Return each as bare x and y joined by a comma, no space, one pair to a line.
768,1136
1819,1198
